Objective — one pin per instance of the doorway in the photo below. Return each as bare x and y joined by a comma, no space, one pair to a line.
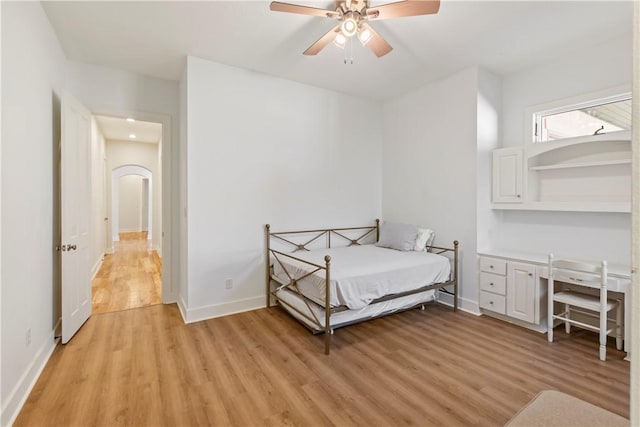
129,197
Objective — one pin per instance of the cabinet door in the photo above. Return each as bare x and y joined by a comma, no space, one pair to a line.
521,291
507,175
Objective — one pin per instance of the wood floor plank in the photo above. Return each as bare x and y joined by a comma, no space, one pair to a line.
131,277
434,367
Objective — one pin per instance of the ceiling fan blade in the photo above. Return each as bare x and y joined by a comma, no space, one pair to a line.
303,10
403,8
377,44
323,41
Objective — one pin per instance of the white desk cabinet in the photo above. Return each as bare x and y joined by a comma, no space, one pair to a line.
521,292
493,281
509,288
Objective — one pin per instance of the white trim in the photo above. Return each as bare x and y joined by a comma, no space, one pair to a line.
218,310
464,304
130,230
96,266
541,328
634,399
20,393
182,307
529,120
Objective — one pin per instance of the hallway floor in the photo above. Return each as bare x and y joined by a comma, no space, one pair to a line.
131,277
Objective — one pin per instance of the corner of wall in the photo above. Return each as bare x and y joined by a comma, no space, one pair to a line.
18,396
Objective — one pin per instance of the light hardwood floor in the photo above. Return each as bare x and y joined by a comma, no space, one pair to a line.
428,368
131,277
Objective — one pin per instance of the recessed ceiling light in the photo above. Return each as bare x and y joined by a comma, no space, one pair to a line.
131,119
132,136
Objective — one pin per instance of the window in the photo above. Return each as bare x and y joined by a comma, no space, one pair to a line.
594,117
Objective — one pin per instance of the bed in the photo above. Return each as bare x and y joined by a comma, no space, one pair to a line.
331,278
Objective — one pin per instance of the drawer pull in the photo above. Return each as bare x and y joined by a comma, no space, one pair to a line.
491,302
491,284
491,266
530,274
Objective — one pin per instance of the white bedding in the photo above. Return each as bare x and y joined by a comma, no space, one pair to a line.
361,274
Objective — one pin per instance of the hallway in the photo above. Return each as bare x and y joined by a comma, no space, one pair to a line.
131,277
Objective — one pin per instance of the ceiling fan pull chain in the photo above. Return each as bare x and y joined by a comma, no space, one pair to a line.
351,48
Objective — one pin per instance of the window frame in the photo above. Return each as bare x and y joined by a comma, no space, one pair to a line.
534,114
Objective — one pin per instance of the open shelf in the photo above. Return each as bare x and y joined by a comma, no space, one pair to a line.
586,174
615,207
581,164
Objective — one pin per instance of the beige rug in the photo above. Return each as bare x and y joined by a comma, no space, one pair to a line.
554,409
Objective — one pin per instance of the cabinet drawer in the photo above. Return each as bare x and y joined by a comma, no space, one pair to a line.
493,283
493,265
492,302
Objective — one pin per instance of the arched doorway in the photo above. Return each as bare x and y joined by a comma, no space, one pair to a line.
147,177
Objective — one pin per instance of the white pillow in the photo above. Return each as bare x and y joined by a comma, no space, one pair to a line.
401,237
430,241
424,239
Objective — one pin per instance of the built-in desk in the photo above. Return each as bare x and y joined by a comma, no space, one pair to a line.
527,293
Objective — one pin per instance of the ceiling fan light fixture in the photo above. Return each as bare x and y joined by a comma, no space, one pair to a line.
340,40
364,35
349,26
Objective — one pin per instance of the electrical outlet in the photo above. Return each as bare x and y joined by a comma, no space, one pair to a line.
228,284
28,337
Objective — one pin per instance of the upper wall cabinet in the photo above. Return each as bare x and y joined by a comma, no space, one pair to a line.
507,175
591,174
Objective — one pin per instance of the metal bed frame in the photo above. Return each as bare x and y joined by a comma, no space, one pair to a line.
328,310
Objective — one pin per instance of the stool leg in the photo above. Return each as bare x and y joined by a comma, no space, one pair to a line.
619,326
603,334
567,325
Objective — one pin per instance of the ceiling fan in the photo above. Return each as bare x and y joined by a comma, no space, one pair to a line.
355,16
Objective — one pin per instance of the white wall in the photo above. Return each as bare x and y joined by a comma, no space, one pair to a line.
32,79
130,205
580,235
121,153
429,166
605,66
489,126
267,150
98,198
120,93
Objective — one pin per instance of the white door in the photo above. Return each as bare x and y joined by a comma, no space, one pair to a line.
521,291
75,183
507,175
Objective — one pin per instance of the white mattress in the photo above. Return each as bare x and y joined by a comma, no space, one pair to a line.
348,316
361,274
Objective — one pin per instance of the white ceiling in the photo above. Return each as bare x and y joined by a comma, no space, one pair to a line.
153,38
119,129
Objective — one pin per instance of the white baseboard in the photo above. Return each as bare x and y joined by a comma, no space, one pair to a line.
13,404
130,230
464,304
182,307
542,327
96,267
217,310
